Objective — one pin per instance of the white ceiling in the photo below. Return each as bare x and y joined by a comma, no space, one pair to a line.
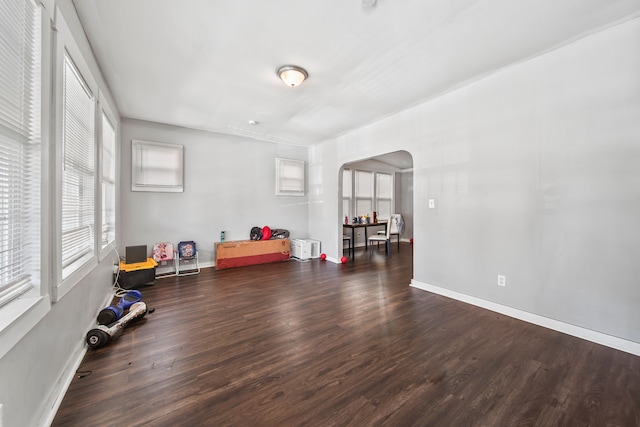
211,64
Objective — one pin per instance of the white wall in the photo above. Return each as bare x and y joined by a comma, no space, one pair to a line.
534,173
324,204
229,185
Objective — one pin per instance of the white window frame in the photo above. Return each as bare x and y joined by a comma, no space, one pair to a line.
360,197
157,166
107,180
353,197
20,263
290,177
24,312
389,200
83,266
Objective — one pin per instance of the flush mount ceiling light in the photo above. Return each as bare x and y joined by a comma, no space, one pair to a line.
368,3
292,75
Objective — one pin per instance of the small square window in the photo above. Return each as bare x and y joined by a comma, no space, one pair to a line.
156,166
289,177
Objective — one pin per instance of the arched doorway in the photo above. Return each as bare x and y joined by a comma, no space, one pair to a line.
363,190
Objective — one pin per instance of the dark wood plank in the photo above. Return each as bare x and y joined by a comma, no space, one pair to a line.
315,343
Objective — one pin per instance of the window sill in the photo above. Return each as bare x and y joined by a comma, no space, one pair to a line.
107,251
18,317
83,267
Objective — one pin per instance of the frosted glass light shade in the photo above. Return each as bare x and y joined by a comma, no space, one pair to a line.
292,76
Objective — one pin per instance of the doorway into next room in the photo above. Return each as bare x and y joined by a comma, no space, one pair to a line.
379,186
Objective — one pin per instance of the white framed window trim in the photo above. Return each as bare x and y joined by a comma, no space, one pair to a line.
75,160
290,177
370,191
364,193
78,170
20,148
108,172
157,166
384,194
26,307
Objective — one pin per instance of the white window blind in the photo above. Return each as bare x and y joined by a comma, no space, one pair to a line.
19,147
108,181
157,166
289,177
364,193
78,173
384,193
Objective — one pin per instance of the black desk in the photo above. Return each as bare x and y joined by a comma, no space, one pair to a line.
365,226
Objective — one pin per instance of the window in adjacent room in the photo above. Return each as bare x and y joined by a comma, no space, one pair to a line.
20,148
384,193
364,193
78,169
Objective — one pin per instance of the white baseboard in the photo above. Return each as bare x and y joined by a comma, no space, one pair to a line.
576,331
54,400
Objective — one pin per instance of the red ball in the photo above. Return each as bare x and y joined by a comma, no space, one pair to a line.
323,256
343,259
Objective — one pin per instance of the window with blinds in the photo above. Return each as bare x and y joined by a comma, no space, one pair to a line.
19,147
384,194
108,182
78,172
364,193
157,166
289,177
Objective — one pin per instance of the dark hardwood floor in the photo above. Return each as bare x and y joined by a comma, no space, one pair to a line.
320,344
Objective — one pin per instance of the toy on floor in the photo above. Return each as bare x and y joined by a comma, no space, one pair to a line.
102,334
110,314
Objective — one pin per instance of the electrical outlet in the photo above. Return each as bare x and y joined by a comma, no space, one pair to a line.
502,280
432,203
